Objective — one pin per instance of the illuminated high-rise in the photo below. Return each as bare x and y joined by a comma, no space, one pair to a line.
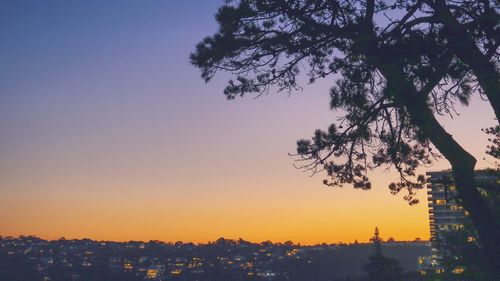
446,214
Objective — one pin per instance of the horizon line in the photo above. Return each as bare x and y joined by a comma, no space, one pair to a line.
63,238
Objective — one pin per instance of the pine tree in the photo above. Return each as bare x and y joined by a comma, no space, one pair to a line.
380,267
391,78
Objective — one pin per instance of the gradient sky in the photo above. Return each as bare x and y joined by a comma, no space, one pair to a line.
107,132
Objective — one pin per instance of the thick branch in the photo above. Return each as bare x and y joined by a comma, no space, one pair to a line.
463,163
461,43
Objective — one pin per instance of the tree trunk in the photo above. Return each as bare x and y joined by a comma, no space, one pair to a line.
462,45
462,162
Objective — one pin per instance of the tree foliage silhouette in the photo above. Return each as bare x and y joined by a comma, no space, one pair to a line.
392,76
380,267
459,252
494,146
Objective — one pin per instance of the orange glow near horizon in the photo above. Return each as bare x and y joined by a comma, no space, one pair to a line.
291,211
304,215
311,223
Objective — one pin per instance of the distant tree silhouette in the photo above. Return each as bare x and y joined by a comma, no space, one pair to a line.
492,186
392,78
494,147
380,267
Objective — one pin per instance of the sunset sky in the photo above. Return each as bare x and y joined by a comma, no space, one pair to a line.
107,132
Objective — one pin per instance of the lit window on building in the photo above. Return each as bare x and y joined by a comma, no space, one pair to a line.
176,271
127,266
443,227
458,270
438,187
440,202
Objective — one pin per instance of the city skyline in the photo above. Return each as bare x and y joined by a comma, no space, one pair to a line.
108,133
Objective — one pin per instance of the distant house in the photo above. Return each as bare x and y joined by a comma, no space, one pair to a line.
155,272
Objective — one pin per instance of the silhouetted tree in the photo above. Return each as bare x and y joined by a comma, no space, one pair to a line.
392,77
460,252
380,267
472,35
494,147
493,150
